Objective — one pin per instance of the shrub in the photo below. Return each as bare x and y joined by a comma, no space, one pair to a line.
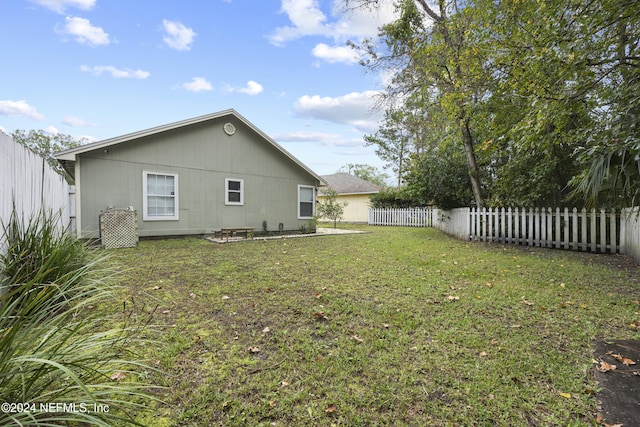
53,346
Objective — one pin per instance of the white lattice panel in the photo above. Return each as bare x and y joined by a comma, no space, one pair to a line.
119,228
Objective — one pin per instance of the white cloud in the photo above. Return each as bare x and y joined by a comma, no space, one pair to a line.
85,139
85,33
74,121
335,54
59,6
197,84
322,138
117,73
252,88
354,109
51,130
178,36
19,108
308,19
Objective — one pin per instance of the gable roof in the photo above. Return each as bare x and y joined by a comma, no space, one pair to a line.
344,183
68,156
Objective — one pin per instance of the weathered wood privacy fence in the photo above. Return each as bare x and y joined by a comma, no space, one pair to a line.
584,230
28,185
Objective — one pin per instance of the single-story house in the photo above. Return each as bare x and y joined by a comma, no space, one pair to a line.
355,191
194,176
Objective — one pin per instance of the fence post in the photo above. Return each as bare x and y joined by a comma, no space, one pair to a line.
612,231
565,244
603,231
594,235
509,225
623,231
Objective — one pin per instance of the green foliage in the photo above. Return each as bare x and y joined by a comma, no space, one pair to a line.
439,177
46,144
54,348
400,135
613,176
541,95
534,177
310,227
40,241
366,172
395,198
330,208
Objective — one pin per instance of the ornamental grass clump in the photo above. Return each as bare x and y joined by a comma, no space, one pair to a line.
58,362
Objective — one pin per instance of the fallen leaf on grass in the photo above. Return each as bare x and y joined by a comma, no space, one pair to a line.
331,409
318,295
526,302
621,358
453,298
319,315
118,376
601,421
254,350
192,295
605,367
356,337
266,330
488,285
566,395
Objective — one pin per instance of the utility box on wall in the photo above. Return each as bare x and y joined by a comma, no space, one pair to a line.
119,228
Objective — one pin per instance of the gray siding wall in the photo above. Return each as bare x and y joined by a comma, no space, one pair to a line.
203,156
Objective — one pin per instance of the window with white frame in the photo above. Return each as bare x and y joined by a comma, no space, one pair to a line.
234,191
159,196
306,201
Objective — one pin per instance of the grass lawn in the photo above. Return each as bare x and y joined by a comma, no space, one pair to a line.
400,326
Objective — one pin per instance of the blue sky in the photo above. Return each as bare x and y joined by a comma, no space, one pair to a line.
103,68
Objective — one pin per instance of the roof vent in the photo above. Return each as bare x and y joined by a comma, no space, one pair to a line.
229,128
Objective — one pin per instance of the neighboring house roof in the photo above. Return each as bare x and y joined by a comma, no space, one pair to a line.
67,157
344,183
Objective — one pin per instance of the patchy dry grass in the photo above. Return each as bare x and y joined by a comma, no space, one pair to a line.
396,327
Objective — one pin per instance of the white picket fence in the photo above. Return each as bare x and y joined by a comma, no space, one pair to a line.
29,183
595,231
408,217
572,229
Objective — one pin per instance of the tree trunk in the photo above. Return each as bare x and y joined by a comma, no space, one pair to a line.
472,164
